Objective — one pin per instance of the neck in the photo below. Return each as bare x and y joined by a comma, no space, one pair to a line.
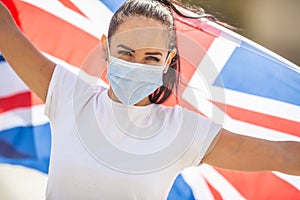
113,97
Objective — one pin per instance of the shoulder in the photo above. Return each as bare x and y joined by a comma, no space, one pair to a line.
68,78
69,85
189,121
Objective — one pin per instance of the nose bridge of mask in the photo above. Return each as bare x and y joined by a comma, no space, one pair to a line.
136,68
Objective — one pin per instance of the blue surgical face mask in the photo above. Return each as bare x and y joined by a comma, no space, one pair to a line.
132,82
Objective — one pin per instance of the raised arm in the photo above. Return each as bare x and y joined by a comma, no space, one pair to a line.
237,152
30,65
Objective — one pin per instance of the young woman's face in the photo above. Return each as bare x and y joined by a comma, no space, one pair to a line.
141,40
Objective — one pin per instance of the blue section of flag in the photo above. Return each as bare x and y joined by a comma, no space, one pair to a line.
28,146
7,150
258,51
113,5
251,71
1,58
180,190
21,138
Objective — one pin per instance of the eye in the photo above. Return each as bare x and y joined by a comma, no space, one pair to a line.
152,58
125,53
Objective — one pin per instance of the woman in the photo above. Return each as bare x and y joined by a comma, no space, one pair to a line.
121,143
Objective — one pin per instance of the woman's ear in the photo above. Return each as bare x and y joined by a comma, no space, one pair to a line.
105,48
171,55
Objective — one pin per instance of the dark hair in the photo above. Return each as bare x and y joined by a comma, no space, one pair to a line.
160,10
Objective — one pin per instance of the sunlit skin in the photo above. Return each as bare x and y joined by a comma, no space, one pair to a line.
131,43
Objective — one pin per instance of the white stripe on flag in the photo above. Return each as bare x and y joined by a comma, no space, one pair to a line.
99,16
248,129
231,35
200,88
10,83
194,178
293,180
212,63
58,9
263,105
32,116
218,54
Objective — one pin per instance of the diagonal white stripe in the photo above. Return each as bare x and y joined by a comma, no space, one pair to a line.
200,88
226,33
201,85
58,9
218,54
293,180
226,190
194,178
98,14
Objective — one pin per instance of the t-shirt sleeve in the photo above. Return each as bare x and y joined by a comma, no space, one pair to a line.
58,71
65,85
204,131
212,133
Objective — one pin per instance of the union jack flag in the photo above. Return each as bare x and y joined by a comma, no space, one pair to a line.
260,92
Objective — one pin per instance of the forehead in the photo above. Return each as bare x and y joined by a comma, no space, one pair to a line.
141,33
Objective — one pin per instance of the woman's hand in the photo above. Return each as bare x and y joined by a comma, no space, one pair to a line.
238,152
30,65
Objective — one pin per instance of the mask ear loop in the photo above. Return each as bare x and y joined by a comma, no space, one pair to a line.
170,57
106,49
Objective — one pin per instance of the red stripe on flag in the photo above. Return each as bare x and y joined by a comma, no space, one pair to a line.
260,119
193,45
10,5
21,100
261,185
56,37
215,193
70,5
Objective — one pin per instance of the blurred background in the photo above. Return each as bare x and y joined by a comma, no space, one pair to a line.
270,23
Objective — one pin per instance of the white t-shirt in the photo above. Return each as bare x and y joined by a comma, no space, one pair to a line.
102,149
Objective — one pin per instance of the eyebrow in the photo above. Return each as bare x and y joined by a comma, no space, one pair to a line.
154,54
147,53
